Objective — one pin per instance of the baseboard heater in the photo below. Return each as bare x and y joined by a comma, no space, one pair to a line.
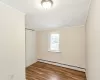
63,65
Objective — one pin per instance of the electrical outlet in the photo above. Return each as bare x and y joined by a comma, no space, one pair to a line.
10,77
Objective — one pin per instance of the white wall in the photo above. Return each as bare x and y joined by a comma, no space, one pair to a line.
12,44
30,47
72,46
93,41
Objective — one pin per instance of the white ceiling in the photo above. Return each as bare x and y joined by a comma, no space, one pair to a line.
63,13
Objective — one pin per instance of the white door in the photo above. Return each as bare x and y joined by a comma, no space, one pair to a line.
30,47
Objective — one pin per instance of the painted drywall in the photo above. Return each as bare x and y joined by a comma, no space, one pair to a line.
72,46
12,44
30,47
93,41
63,12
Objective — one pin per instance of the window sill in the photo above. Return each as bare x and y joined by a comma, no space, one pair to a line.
54,51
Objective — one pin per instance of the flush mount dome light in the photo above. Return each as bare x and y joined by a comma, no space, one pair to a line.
46,4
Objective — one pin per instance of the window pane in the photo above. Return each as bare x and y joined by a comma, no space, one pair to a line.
54,42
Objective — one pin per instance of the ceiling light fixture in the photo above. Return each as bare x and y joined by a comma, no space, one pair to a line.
46,4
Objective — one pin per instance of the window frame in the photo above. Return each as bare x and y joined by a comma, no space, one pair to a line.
49,42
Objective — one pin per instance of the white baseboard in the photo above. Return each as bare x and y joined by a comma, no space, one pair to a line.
63,65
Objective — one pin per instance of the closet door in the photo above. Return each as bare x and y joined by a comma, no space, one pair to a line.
30,47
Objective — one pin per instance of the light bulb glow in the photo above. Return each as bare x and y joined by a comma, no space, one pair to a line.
46,4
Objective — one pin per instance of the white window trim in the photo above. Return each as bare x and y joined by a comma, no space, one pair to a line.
54,51
49,35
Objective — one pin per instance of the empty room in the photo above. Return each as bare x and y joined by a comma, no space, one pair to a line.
49,39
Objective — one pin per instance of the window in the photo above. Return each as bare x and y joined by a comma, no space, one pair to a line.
54,42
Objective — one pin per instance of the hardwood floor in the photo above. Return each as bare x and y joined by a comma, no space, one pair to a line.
44,71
